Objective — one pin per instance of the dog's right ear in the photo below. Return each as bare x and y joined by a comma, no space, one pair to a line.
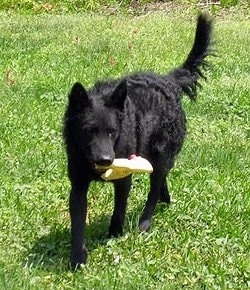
118,97
78,98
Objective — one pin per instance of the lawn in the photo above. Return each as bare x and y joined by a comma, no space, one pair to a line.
201,241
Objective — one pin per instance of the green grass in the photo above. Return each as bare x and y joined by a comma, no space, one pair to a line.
68,6
201,241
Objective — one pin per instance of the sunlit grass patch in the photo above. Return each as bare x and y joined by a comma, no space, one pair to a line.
200,241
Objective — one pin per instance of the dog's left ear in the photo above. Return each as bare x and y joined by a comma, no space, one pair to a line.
118,97
78,98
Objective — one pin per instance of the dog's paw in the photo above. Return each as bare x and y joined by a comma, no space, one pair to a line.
78,259
144,225
115,230
165,199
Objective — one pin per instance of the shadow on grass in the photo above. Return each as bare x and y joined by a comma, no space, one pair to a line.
51,252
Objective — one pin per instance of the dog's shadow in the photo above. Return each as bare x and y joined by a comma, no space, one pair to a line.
51,252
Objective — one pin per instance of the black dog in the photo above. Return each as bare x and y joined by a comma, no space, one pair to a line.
138,114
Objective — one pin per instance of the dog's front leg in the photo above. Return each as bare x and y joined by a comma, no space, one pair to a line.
122,188
78,211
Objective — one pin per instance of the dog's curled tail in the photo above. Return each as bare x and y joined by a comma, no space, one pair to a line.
188,75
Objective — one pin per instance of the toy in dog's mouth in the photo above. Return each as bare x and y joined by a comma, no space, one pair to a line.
123,167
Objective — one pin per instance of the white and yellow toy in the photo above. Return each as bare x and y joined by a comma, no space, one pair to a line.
122,167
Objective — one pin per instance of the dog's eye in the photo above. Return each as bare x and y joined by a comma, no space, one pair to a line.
111,132
92,130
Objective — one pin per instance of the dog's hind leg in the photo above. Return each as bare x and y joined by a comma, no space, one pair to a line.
157,190
122,188
164,193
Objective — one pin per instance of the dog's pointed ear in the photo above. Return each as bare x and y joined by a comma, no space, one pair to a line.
118,97
78,97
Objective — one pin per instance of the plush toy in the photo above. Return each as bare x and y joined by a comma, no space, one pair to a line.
122,167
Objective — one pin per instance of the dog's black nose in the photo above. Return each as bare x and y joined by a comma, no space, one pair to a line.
104,160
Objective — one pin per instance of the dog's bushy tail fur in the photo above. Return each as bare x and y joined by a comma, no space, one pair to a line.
189,73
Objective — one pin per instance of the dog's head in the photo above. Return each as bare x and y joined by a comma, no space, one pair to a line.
92,121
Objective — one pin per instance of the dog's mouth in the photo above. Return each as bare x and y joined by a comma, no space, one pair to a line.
100,169
101,166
